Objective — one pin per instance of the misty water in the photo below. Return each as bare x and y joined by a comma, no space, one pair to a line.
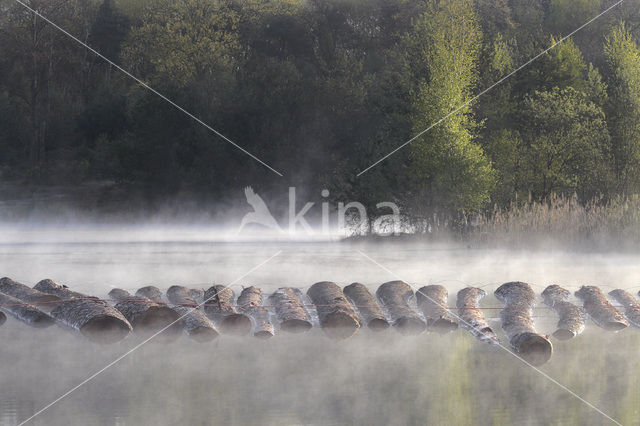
372,378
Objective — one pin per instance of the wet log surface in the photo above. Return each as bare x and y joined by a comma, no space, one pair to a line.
370,313
395,297
24,312
432,301
150,292
146,316
337,317
472,319
92,317
600,310
196,324
631,305
43,301
250,303
219,307
517,323
290,312
571,318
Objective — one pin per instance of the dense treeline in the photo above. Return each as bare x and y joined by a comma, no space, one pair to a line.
320,90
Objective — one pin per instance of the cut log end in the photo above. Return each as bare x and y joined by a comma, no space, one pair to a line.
378,324
295,326
535,349
263,334
564,334
236,325
340,325
442,325
410,326
3,318
203,334
105,329
615,326
157,318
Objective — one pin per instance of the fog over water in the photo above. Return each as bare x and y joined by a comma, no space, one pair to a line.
371,378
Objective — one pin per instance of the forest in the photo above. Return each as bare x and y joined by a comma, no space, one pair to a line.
320,90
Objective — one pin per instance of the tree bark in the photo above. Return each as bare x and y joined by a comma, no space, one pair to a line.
290,311
250,303
600,310
43,301
571,321
219,307
432,300
337,318
395,297
631,305
473,320
517,323
196,324
150,292
51,287
24,312
367,307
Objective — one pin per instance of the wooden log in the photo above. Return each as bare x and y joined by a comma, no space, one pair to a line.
24,312
517,323
92,317
289,309
43,301
250,304
197,295
368,309
3,318
571,318
219,307
146,316
196,324
150,292
432,300
600,310
631,305
337,318
395,296
472,319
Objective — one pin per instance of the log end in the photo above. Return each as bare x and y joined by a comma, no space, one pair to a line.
295,326
203,334
340,325
564,334
105,329
615,325
442,325
3,318
409,325
378,324
535,349
263,334
157,318
236,325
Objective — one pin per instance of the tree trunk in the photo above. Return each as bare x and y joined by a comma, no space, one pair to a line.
337,318
395,297
432,300
519,300
219,307
43,301
196,324
571,321
24,312
289,310
367,307
150,292
197,295
250,303
600,310
51,287
472,318
631,305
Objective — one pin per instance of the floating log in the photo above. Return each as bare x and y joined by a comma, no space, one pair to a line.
219,307
290,311
432,300
337,318
150,292
250,304
3,318
472,319
600,310
631,305
571,318
519,300
368,309
146,316
196,324
43,301
395,296
92,317
24,312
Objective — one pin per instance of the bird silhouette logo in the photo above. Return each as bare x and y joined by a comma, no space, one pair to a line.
260,214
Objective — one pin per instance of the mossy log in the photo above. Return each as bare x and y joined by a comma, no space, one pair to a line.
517,323
631,305
395,297
196,324
337,318
472,319
250,304
218,305
290,312
367,307
432,300
571,318
600,310
93,318
146,316
43,301
150,292
24,312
